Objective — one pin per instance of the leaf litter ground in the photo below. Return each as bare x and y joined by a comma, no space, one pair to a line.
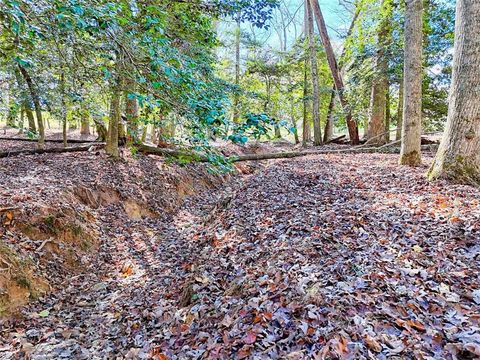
324,257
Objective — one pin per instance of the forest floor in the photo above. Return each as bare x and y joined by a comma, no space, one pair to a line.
322,257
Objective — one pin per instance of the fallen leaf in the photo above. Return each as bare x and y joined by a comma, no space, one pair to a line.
373,344
44,313
250,338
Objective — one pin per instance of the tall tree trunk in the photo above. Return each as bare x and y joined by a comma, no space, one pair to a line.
236,98
25,103
458,157
376,121
22,120
317,130
278,134
36,103
329,126
410,153
84,122
400,110
328,133
102,132
337,76
31,120
11,116
306,130
294,122
111,147
131,112
388,115
64,110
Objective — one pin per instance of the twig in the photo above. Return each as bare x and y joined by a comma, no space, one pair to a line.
43,244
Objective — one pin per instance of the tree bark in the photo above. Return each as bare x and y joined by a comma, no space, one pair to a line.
388,115
307,132
329,126
31,120
412,105
131,112
22,120
58,141
236,97
317,130
400,110
376,122
328,133
64,110
337,76
294,122
36,103
458,157
84,122
196,157
114,121
47,151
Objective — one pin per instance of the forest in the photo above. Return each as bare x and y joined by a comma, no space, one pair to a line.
240,179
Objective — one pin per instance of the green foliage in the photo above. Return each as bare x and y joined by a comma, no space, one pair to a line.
254,126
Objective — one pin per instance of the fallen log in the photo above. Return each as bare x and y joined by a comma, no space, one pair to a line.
336,140
153,150
59,141
196,157
7,154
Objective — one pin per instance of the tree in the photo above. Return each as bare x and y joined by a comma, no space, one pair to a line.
458,157
410,153
114,121
398,133
236,98
317,130
36,102
337,76
378,103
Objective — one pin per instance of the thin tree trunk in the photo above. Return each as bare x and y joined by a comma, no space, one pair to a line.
458,157
64,110
113,125
376,121
31,120
307,132
317,130
84,122
294,122
144,133
236,98
329,127
337,76
412,105
400,110
131,112
278,134
22,120
328,133
102,132
388,115
36,103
